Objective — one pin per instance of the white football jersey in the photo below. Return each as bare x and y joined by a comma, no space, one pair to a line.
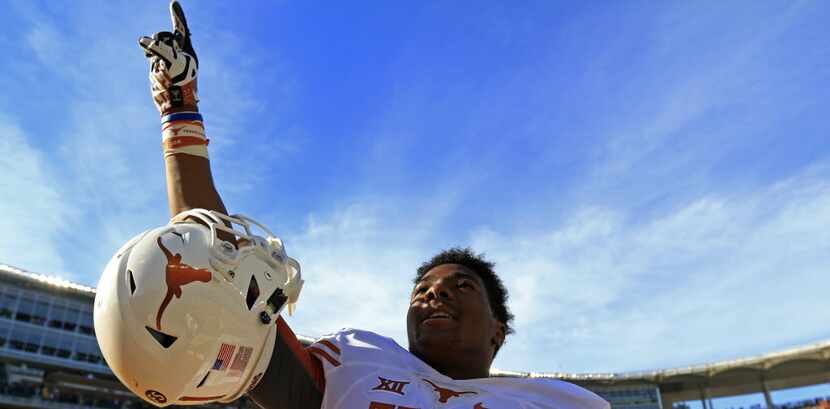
364,370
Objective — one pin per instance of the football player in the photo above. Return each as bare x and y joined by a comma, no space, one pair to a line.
456,323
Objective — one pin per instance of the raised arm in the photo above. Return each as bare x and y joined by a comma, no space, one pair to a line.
173,77
294,378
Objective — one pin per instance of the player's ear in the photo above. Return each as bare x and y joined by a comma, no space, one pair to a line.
499,332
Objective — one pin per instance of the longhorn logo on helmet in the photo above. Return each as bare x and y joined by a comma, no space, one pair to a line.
177,274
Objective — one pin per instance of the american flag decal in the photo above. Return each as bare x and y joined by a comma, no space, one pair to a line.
225,354
241,359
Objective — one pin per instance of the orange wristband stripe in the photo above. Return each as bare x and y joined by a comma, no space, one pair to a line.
182,141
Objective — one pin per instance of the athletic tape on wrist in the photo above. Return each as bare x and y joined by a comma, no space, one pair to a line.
184,132
195,150
182,141
190,145
176,129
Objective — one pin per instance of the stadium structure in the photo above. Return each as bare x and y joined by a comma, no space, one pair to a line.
49,358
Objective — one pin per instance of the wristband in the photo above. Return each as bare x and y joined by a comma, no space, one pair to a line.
189,145
193,150
175,129
182,116
184,133
183,141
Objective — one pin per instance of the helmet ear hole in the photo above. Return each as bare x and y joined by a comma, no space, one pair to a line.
163,339
132,282
253,293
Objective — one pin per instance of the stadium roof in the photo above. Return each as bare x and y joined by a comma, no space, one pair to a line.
794,367
52,283
799,366
819,351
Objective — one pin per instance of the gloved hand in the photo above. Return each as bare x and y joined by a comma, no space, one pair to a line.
173,66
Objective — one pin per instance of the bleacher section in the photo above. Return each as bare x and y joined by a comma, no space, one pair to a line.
49,357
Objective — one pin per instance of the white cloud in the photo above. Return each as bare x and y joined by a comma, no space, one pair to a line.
106,146
32,208
358,264
718,277
100,145
708,280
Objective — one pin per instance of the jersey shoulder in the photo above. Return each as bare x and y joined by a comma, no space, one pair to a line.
358,339
355,345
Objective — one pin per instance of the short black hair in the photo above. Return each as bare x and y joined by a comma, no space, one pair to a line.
496,292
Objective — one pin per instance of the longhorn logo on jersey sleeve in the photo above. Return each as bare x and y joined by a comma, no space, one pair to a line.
177,274
445,394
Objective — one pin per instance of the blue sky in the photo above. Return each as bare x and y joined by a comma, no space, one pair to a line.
651,179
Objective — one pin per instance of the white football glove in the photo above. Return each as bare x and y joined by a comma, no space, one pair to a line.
173,65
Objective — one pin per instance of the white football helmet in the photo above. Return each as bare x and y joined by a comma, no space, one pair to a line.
183,317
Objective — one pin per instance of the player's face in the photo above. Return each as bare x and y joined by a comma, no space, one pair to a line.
450,314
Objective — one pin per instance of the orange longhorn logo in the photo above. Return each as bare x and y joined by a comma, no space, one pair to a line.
445,394
178,274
